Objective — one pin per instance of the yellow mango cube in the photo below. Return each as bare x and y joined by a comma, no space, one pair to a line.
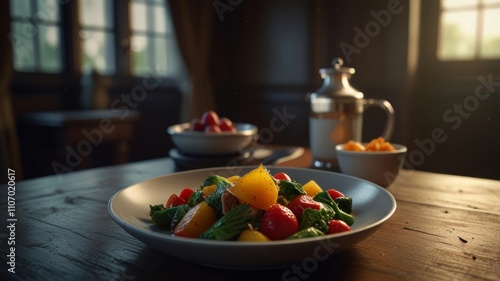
312,188
256,188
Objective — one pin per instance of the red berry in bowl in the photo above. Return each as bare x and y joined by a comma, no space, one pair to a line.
196,125
226,125
210,118
212,129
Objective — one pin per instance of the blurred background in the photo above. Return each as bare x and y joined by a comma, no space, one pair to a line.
86,83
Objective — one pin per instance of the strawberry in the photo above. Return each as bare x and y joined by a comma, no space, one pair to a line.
279,222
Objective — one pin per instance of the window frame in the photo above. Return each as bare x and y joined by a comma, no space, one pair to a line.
431,65
480,7
36,23
71,71
149,33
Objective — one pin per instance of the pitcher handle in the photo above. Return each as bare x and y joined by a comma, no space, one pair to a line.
387,107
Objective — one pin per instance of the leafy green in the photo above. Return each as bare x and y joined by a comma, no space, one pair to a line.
196,198
233,223
290,189
214,180
305,233
318,219
344,204
162,217
326,199
179,214
214,200
155,208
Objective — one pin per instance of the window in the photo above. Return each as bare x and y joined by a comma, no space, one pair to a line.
36,36
151,37
97,35
469,30
49,36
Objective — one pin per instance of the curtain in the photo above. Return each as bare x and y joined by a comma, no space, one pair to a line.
9,147
193,25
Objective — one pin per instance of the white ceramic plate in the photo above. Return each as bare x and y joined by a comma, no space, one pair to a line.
372,206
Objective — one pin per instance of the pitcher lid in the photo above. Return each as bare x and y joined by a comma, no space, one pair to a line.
338,67
336,81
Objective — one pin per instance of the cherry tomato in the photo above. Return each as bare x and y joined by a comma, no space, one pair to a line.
337,226
196,125
335,193
210,118
282,176
226,125
301,202
186,193
279,222
174,200
212,129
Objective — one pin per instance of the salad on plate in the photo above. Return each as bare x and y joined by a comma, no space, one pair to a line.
256,206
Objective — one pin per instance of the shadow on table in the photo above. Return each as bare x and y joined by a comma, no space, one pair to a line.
160,265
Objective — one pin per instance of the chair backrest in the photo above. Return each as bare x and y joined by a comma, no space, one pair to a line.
10,155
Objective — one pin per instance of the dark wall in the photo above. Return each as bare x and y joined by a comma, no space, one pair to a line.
262,67
277,49
267,56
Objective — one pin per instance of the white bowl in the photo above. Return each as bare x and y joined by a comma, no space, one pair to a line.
379,167
202,143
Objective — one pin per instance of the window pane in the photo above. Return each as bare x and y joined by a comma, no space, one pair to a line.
160,24
50,49
491,34
98,51
139,46
486,2
160,61
20,8
48,10
23,48
139,18
458,3
97,13
457,35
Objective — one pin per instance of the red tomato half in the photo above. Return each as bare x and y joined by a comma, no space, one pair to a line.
186,193
174,200
335,193
282,176
279,222
337,226
301,202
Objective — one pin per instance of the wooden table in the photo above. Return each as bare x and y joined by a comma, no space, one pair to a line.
445,228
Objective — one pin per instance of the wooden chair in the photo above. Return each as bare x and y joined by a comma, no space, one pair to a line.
10,156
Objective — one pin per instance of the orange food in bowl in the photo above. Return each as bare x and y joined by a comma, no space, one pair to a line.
378,144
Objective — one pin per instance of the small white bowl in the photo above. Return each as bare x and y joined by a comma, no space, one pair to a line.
202,143
379,167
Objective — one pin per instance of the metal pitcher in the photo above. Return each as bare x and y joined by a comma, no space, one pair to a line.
337,115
